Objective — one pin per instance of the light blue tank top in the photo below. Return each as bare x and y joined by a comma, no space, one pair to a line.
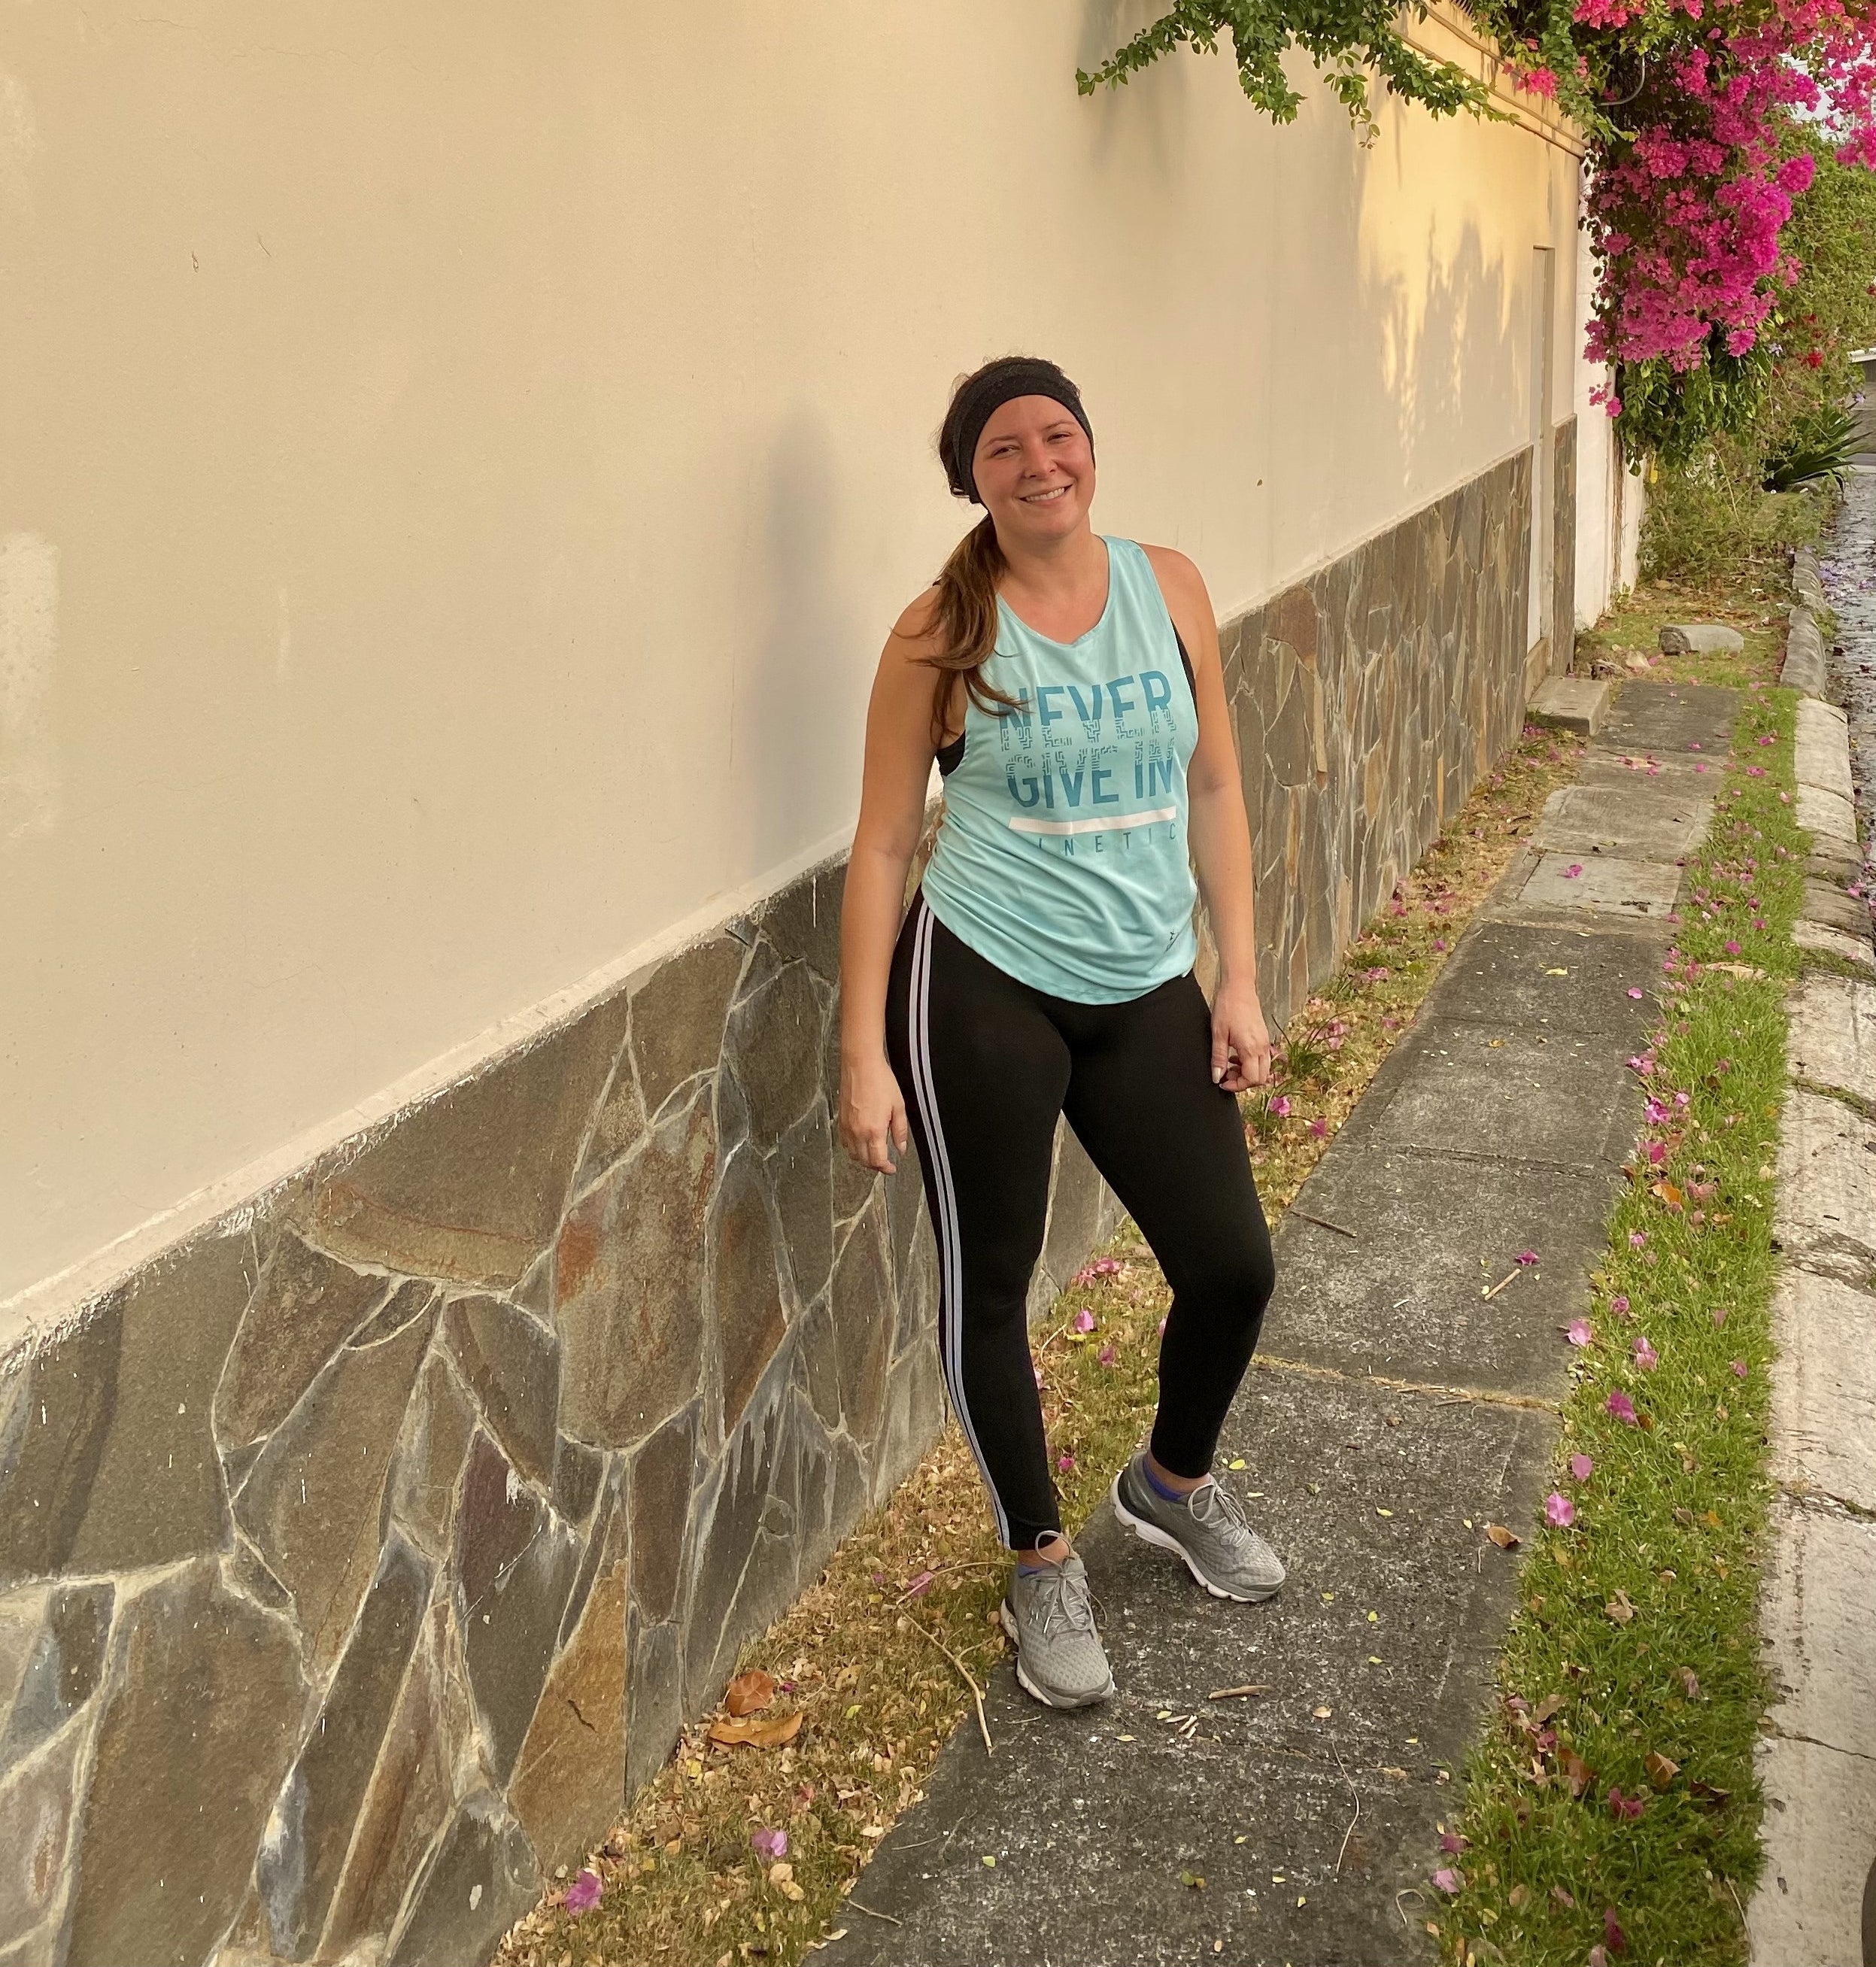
1061,856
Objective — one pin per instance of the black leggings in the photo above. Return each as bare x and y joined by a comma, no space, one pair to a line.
986,1065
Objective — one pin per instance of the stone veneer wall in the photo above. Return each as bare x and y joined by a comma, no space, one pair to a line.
358,1558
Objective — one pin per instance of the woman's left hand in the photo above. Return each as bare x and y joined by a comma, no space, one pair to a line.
1241,1041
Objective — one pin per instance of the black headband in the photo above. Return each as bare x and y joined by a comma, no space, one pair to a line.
983,396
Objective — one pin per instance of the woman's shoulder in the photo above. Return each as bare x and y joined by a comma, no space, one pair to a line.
918,628
1176,571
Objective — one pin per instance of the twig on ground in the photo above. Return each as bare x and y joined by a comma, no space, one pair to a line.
855,1906
1231,1692
1501,1284
976,1692
1354,1820
938,1571
1408,1892
1323,1222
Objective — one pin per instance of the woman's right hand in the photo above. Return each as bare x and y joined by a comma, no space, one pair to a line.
873,1113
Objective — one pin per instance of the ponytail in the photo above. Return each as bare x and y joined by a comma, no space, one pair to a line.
964,620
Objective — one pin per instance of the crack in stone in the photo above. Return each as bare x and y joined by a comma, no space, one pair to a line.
1480,1396
1771,1727
1810,1495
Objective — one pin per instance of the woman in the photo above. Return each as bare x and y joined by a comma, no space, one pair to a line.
1071,689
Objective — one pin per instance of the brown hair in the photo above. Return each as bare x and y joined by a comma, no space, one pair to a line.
963,622
963,607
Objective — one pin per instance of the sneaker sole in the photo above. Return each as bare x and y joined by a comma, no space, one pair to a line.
1029,1687
1151,1534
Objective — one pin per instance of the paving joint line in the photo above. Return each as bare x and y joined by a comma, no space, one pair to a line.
1825,1502
1447,1396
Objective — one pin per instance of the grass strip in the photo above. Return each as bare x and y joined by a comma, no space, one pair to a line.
863,1653
1611,1809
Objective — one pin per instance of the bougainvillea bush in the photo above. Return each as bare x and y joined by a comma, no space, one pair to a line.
1691,107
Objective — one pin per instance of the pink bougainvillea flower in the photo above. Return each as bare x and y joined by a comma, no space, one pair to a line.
1559,1511
1634,991
1526,1258
1619,1304
1628,1808
1739,1369
1379,974
915,1588
1083,1320
1065,1462
1452,1843
1612,1934
1657,1153
1733,949
1439,941
1319,1128
1637,1237
771,1844
1719,1317
1107,1356
1645,1356
1577,1332
1281,1107
1448,1879
1580,1466
583,1893
1573,870
1619,1404
1102,1266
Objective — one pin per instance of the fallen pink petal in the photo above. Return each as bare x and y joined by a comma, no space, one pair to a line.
1319,1128
1637,1237
1527,1258
1739,1369
1612,1932
1107,1356
1619,1304
1084,1319
918,1586
1577,1332
1619,1404
1447,1880
1628,1808
1559,1511
1281,1107
583,1893
774,1844
1645,1356
1064,1463
1580,1466
1573,870
1634,991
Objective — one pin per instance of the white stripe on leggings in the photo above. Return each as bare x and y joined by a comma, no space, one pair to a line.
951,1262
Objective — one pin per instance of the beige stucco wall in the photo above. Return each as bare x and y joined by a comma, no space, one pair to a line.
456,466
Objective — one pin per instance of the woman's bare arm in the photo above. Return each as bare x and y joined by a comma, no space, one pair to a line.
1220,833
892,815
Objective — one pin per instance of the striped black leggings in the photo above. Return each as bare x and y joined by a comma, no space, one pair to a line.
986,1065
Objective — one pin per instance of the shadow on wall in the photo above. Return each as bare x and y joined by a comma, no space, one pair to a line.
791,686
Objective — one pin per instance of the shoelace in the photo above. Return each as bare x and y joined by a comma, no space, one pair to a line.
1067,1601
1223,1504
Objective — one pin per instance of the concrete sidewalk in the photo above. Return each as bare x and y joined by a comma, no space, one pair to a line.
1394,1411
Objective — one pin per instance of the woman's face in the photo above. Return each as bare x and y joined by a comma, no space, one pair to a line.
1035,470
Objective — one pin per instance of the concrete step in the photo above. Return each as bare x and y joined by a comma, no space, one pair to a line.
1570,703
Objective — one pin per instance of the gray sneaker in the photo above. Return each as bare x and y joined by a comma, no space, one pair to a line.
1222,1551
1049,1616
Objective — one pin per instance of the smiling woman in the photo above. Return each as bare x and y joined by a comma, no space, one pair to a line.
1044,970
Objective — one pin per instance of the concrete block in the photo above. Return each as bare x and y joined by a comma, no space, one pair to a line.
1643,819
1819,1833
1824,1419
1807,581
1825,1216
1832,1037
1570,703
1804,668
1704,638
1604,884
1829,818
1820,939
1823,748
1826,902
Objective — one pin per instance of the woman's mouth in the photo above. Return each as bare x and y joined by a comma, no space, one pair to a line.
1045,498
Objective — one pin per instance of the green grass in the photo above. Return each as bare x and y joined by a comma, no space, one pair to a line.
1669,1518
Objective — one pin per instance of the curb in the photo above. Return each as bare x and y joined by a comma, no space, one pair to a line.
1816,1743
1804,664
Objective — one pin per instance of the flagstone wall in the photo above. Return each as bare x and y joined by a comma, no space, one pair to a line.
360,1558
